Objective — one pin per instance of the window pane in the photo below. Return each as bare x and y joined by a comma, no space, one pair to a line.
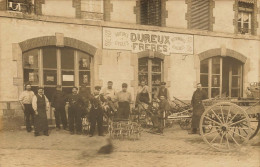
235,93
31,76
236,69
84,78
214,92
68,78
235,81
215,81
204,80
67,58
143,70
50,77
30,59
156,79
143,65
143,77
156,65
216,65
204,66
84,61
49,57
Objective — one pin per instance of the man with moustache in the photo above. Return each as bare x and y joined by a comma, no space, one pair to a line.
40,104
26,101
198,107
58,103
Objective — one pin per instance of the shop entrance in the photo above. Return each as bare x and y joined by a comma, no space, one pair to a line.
222,77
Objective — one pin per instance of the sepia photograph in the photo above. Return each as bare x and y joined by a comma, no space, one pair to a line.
129,83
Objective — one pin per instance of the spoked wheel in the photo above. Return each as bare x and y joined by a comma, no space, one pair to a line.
225,126
185,123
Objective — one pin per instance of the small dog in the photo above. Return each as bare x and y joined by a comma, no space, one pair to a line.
85,125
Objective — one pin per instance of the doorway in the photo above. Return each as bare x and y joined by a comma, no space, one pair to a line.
222,77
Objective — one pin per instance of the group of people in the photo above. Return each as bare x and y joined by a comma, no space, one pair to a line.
82,103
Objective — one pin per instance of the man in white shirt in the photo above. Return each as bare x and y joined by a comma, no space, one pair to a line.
26,101
40,104
109,94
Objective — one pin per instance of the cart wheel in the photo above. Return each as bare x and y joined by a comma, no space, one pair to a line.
225,126
254,124
185,123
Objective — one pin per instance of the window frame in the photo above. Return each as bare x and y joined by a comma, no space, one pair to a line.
59,70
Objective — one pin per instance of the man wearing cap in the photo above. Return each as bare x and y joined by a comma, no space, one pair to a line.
26,101
75,103
124,100
162,91
40,104
96,112
58,103
198,107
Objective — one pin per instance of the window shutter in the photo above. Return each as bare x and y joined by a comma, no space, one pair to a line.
200,14
151,12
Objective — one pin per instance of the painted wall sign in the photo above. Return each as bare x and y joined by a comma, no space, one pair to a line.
138,41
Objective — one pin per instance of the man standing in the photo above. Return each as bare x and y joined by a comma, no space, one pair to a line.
109,94
162,91
26,101
96,112
198,107
75,104
124,100
58,103
40,104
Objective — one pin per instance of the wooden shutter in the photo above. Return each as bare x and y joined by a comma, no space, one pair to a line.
200,14
151,12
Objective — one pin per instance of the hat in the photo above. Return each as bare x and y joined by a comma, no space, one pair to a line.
163,83
40,88
97,87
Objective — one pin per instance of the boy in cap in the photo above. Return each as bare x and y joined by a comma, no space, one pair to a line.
96,112
159,117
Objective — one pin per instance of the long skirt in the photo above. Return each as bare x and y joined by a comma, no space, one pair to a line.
123,110
40,121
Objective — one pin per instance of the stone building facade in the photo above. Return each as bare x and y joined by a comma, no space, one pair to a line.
181,42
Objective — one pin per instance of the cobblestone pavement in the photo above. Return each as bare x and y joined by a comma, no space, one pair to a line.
174,148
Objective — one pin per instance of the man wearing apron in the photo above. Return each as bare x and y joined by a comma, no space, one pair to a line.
40,104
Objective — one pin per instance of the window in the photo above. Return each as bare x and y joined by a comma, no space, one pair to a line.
151,11
245,17
25,6
51,66
150,71
221,77
199,14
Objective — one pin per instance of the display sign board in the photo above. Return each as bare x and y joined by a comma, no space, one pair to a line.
139,40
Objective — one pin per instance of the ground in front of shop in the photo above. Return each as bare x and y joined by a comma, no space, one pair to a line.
174,148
